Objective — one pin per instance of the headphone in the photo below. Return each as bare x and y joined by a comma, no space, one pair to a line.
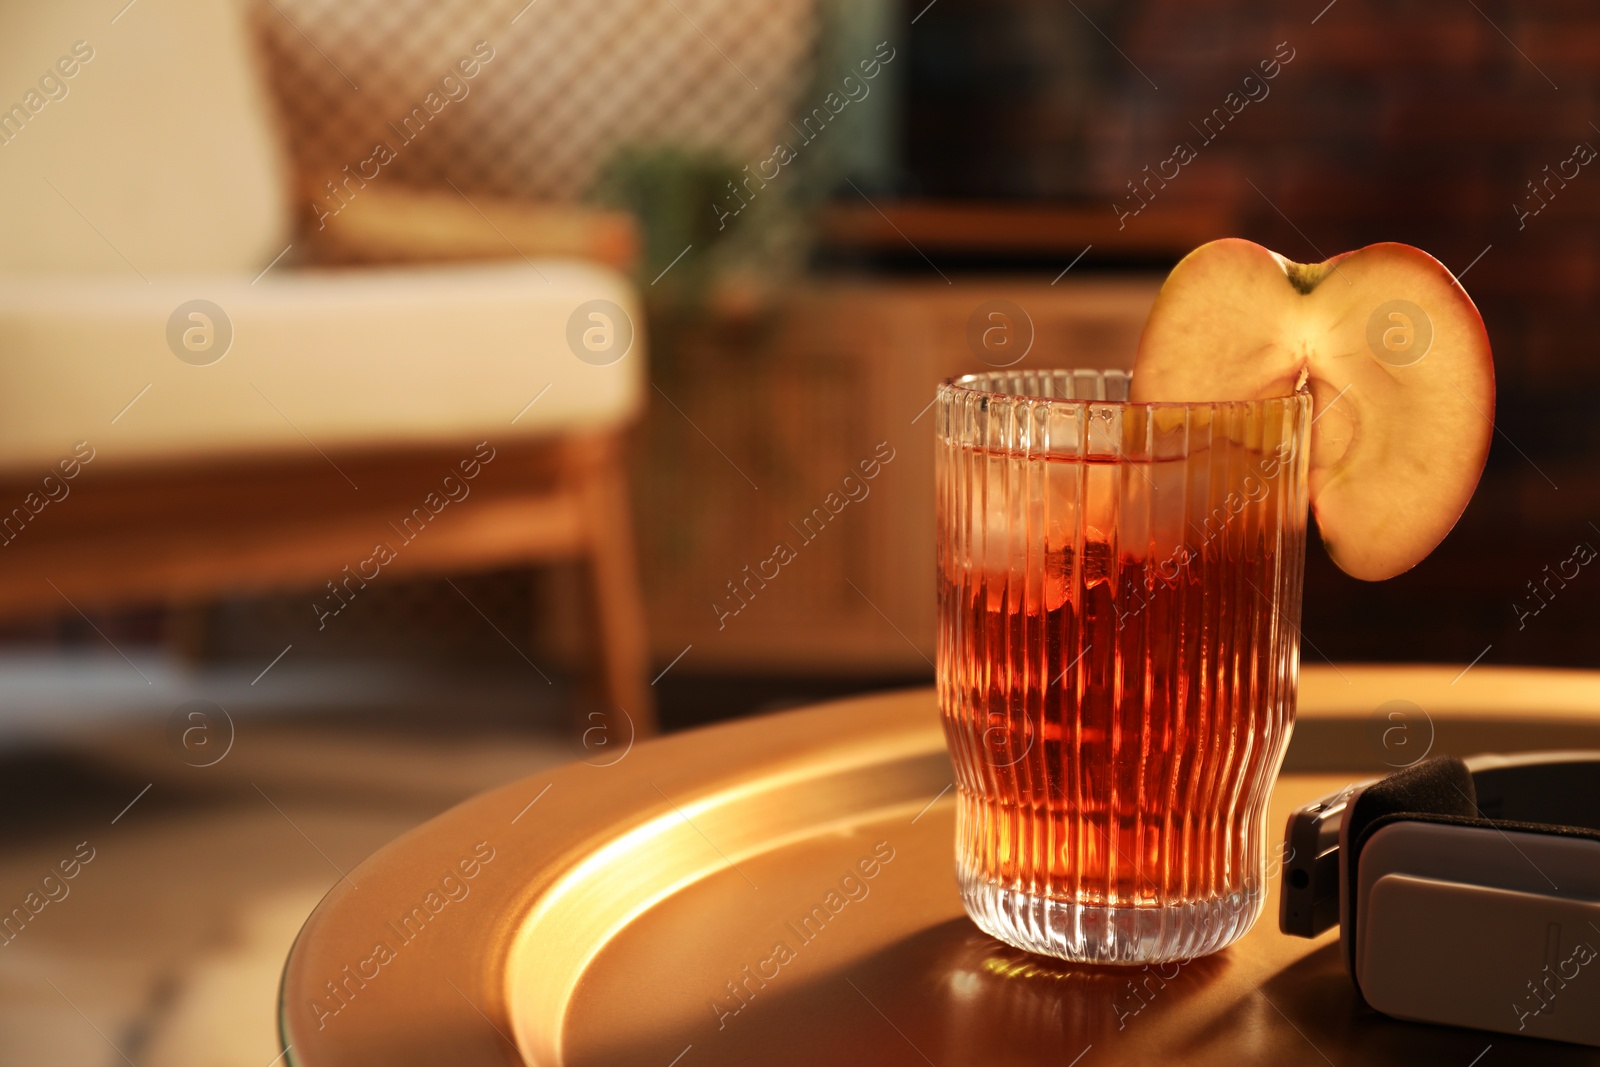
1466,892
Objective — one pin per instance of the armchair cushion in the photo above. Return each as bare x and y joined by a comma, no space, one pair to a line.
138,147
331,360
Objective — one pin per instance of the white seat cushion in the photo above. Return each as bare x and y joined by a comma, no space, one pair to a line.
335,359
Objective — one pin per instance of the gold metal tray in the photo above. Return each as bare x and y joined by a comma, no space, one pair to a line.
780,890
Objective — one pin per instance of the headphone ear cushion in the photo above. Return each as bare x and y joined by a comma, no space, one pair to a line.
1439,786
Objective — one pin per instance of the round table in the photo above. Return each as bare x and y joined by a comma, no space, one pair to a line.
781,890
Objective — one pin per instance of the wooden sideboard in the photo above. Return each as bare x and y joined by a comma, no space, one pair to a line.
758,419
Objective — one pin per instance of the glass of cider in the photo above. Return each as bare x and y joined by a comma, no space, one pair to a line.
1119,612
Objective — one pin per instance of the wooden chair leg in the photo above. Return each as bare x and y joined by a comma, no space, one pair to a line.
624,651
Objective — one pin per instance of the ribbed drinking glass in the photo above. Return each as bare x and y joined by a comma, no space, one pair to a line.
1119,610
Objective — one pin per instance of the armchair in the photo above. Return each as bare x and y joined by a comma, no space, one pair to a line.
233,422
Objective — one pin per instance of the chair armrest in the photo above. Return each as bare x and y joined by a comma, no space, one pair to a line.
394,224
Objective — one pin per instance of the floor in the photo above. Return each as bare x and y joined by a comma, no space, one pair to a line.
202,813
194,863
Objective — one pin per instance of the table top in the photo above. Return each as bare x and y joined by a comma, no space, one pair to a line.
646,907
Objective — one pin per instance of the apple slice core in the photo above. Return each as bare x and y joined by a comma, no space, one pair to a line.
1394,355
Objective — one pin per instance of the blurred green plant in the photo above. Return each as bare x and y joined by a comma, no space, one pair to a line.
692,251
669,191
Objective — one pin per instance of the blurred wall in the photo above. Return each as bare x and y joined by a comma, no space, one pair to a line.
1459,127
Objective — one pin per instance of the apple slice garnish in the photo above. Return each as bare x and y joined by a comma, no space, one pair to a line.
1397,362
